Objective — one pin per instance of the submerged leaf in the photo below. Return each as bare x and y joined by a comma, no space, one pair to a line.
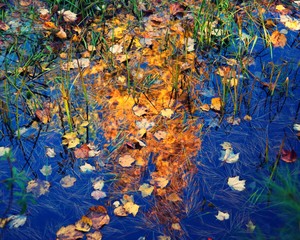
67,181
4,150
288,156
38,187
16,221
46,170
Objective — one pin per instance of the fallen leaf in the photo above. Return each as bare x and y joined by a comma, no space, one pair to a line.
99,216
146,189
70,139
278,39
98,184
216,103
173,197
131,208
167,112
98,194
236,184
228,156
4,150
140,110
46,170
144,124
176,8
159,135
67,181
38,187
205,107
82,152
126,161
68,232
190,44
3,26
288,156
87,168
49,26
176,226
50,152
250,226
222,216
116,49
120,211
296,127
84,224
94,236
25,3
68,16
161,182
61,34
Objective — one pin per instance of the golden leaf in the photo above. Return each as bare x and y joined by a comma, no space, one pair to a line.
173,197
146,189
278,39
167,112
132,208
216,103
126,160
84,224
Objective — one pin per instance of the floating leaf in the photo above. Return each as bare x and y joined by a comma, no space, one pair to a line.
222,216
70,139
87,168
46,170
38,187
236,184
68,232
216,103
228,155
159,135
146,189
16,221
140,110
226,145
82,152
4,150
145,124
84,224
94,236
173,197
98,184
50,152
167,112
278,39
176,226
288,156
126,161
97,194
296,127
67,181
131,208
99,216
120,211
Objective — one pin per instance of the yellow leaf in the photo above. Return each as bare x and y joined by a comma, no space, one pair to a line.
132,208
278,39
146,189
126,161
173,197
216,103
120,211
161,182
84,224
167,112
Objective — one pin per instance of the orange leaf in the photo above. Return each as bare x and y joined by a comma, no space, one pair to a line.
216,103
49,26
278,39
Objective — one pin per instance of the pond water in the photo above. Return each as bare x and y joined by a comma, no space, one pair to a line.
260,211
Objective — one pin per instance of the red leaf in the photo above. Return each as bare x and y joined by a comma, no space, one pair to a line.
288,156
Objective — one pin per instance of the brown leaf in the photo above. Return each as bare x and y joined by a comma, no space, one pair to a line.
68,232
288,156
82,152
84,224
278,39
3,26
61,34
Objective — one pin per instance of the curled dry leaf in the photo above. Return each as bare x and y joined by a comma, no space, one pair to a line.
68,16
126,161
49,26
61,34
67,181
278,39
